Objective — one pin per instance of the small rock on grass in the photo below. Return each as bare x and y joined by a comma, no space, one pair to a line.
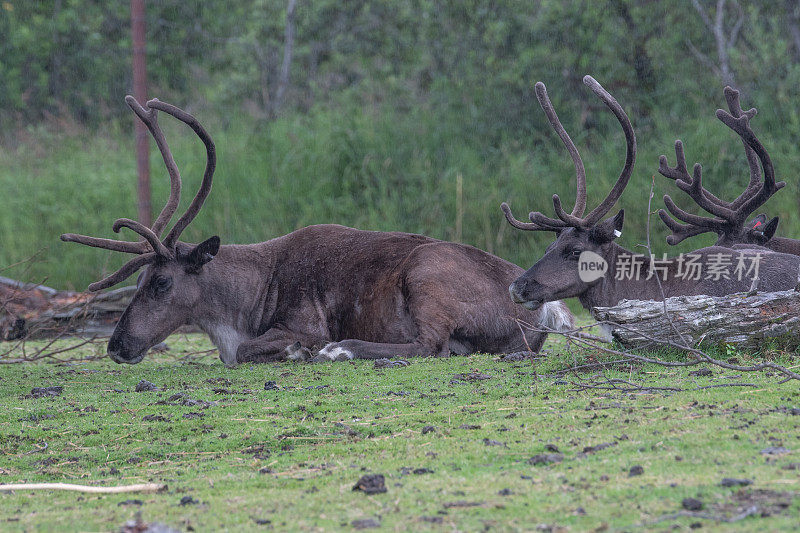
692,504
270,385
428,429
636,470
371,484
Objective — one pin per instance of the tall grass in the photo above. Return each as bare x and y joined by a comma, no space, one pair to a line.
363,167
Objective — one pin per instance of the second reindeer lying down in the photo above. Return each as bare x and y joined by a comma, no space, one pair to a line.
556,275
352,293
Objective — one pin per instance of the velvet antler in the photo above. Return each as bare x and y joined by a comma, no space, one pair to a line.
728,217
540,222
152,247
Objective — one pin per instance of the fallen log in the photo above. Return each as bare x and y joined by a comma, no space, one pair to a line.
35,311
746,320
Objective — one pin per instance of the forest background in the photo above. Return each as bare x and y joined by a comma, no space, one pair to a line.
412,115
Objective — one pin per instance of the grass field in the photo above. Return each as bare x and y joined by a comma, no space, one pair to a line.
456,439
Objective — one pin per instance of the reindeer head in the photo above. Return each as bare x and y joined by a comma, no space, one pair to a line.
172,283
728,220
555,276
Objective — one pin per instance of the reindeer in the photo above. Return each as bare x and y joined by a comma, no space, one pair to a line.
556,275
355,294
729,218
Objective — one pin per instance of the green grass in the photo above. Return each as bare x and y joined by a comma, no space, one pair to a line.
329,424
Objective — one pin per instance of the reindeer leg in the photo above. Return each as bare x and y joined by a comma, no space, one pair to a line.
277,345
357,349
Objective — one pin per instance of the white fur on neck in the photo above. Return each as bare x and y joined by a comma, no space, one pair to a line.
556,316
227,339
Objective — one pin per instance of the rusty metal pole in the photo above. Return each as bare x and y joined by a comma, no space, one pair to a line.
140,93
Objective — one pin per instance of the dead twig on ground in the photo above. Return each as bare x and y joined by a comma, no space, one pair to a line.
142,487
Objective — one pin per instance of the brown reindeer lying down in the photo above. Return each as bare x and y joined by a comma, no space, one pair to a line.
345,292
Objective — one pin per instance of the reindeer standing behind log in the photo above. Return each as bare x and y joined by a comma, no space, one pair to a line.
582,239
729,218
356,294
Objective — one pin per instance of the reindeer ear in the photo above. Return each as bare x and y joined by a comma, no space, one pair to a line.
201,254
769,229
609,229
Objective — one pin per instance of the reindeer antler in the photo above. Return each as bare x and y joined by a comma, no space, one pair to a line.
152,247
540,222
729,217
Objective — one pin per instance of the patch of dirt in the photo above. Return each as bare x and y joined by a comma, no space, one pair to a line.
145,386
775,450
188,500
599,447
371,484
735,482
155,418
45,392
517,356
769,502
636,470
130,502
387,363
460,504
545,459
181,398
365,523
137,525
692,504
460,379
258,451
404,471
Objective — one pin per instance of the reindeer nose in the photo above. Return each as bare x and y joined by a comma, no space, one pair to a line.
516,297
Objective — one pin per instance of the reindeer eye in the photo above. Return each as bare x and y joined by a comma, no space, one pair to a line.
162,284
574,254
